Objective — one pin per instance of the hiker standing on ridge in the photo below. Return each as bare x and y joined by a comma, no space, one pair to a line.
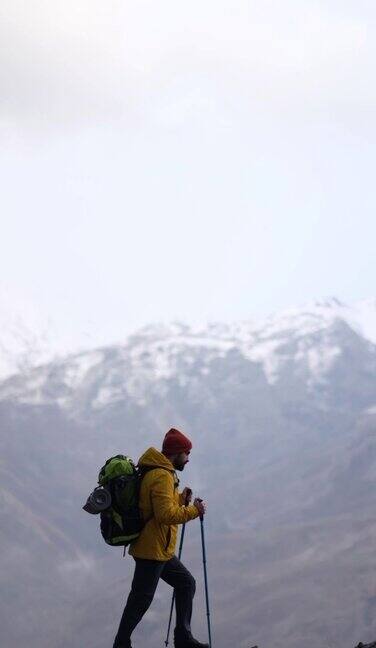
163,508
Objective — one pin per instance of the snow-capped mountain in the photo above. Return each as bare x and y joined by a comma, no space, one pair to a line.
282,415
297,344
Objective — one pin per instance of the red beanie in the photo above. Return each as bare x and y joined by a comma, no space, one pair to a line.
175,442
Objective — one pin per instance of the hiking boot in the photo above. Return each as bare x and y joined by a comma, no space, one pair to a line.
122,645
188,641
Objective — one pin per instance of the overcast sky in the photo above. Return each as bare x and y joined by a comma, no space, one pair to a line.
196,161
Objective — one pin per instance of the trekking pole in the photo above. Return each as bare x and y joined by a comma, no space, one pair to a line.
205,576
173,593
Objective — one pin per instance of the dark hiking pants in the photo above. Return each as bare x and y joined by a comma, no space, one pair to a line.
146,576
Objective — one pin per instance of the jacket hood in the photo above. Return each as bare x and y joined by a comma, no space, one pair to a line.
152,457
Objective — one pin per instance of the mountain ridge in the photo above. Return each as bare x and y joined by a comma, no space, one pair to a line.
24,345
304,346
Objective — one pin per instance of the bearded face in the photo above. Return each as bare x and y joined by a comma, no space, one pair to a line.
180,460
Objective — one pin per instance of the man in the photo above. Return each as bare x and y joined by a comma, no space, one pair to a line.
163,508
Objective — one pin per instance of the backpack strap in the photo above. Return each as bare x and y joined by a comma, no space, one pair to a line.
143,470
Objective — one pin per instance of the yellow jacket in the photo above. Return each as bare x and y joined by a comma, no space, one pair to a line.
162,507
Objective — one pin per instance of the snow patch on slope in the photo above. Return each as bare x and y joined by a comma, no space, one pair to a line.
78,367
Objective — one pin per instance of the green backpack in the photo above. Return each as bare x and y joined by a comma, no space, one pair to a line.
116,499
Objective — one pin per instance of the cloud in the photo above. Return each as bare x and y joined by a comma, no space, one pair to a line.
80,62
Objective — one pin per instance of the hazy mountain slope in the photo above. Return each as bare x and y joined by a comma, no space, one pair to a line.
283,424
